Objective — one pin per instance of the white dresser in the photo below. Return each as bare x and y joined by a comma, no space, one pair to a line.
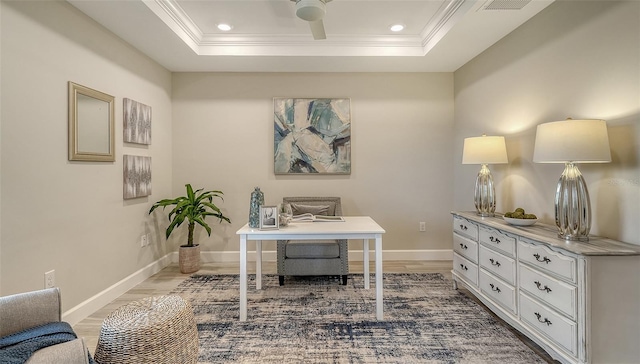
580,301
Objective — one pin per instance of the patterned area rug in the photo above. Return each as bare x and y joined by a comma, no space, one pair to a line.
316,320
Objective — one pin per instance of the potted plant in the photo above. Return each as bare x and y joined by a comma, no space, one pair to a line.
194,207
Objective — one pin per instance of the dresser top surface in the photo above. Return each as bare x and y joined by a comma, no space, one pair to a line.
548,234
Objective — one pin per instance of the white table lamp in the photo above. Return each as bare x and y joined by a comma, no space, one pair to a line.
484,150
571,142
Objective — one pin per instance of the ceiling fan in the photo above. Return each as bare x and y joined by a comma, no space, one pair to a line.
312,11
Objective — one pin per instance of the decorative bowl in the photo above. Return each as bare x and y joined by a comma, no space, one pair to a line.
520,222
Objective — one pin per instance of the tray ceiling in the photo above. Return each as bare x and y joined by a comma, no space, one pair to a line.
266,35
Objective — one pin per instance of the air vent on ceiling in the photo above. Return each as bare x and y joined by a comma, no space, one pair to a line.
506,4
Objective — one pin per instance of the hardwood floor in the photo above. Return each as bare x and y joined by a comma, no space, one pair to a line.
167,279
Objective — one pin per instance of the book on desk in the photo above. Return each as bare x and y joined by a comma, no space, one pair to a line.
315,218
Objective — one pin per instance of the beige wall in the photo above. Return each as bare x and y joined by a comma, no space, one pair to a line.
56,214
401,162
578,59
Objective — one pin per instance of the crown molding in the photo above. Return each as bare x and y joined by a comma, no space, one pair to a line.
301,45
170,12
447,16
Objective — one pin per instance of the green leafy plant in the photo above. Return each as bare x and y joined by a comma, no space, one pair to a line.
194,207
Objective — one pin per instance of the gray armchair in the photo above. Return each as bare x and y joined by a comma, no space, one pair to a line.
313,257
28,310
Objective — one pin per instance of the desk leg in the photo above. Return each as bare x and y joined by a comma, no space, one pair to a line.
379,303
258,264
365,259
243,278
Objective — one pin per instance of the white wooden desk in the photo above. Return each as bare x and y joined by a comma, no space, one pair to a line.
354,227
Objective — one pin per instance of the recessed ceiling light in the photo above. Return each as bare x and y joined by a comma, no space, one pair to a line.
396,27
224,27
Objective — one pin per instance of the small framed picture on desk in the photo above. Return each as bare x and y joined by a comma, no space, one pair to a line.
268,217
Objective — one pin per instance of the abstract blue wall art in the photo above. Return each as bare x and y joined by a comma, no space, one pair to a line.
312,136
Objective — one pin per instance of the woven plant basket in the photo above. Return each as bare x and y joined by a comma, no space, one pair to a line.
153,330
189,258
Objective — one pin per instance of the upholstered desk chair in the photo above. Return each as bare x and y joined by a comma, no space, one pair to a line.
313,257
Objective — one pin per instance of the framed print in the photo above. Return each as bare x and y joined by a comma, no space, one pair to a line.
268,217
137,122
312,136
137,176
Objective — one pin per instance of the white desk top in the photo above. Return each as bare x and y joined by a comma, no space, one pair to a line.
353,226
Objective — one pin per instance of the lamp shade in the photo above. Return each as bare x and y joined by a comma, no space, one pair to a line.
578,141
484,150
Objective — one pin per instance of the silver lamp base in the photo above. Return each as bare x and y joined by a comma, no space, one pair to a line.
573,206
485,193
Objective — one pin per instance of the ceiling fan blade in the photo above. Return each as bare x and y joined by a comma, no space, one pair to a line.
317,29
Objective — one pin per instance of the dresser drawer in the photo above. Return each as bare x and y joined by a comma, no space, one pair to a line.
544,320
498,264
465,268
498,241
551,262
553,292
500,292
465,247
466,228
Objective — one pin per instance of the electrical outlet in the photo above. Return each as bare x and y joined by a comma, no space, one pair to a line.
143,241
423,226
50,279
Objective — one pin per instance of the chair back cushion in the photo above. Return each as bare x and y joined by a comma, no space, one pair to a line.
329,206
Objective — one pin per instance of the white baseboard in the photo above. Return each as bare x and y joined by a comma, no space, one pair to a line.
354,255
93,304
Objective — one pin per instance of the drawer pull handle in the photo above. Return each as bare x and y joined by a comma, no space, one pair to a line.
495,240
545,288
463,246
495,262
464,267
543,260
545,321
494,288
463,227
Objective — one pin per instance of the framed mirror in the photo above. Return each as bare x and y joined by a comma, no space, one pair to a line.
91,125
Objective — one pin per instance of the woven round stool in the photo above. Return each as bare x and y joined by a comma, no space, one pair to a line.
158,330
